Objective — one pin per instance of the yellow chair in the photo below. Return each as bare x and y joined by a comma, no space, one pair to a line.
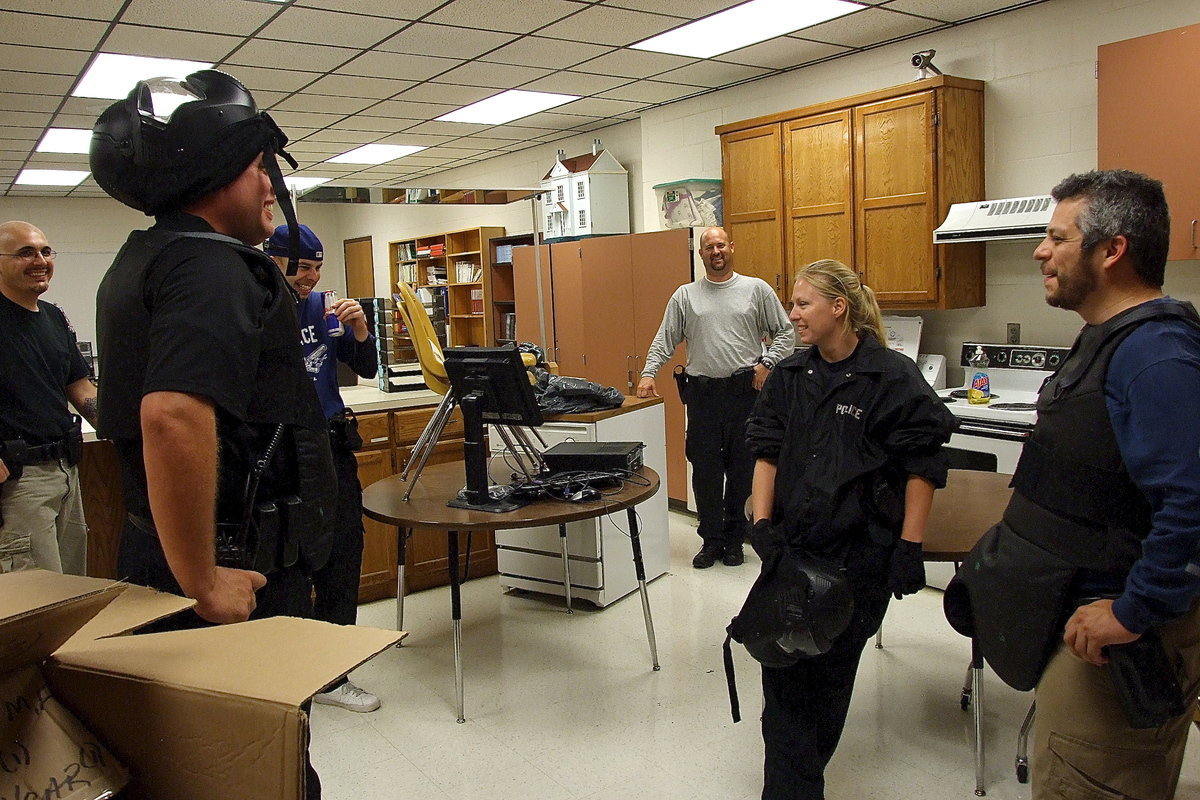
433,369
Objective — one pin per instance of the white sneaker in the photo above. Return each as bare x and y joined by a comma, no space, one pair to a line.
349,697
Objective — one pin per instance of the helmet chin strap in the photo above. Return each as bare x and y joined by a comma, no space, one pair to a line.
283,199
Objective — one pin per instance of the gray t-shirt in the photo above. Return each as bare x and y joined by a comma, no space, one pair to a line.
724,324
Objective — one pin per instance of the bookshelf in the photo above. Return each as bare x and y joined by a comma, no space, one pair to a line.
451,271
501,306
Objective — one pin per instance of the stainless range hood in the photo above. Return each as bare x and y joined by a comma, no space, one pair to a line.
992,220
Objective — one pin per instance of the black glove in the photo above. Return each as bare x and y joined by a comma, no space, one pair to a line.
906,573
765,539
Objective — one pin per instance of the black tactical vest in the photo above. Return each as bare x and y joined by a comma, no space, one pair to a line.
298,489
1073,496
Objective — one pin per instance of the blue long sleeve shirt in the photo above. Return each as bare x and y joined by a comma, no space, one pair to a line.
322,352
1152,392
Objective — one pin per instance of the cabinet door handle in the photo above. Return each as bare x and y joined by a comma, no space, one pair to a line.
1193,234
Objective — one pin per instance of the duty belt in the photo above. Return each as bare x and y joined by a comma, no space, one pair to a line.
37,454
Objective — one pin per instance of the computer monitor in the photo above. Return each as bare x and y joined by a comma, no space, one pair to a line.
492,385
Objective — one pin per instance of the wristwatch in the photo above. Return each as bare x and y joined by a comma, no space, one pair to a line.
766,362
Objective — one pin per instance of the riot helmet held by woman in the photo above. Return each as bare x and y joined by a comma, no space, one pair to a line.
171,142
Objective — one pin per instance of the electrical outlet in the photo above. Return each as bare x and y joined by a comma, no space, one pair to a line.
1014,333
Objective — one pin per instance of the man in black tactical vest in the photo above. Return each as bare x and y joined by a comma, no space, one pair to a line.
1094,549
226,469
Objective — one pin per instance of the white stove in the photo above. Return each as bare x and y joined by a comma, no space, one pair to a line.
990,436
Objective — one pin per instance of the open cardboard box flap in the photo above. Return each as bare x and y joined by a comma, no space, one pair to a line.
192,714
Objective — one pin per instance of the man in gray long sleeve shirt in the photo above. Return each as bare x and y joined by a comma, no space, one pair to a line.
725,318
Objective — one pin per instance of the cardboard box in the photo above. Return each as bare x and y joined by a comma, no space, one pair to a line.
180,715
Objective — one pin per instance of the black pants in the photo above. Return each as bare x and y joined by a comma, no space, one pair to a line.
722,465
140,560
336,583
805,705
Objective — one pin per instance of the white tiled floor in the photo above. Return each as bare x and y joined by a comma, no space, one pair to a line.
567,707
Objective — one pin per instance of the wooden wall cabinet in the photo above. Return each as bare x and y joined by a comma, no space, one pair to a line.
604,299
863,180
498,286
1147,119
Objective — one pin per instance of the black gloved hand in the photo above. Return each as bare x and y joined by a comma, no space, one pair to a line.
765,539
906,573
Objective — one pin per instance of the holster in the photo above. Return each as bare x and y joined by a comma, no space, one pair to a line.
681,382
343,431
74,441
1146,681
278,529
12,453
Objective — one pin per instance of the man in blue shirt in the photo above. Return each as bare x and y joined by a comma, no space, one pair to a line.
336,584
1106,496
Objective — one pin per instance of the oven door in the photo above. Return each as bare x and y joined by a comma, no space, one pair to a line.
987,446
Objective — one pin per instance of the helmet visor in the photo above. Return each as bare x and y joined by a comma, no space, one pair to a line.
159,97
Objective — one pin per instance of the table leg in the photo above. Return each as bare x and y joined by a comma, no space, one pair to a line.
640,570
977,710
562,539
456,616
402,535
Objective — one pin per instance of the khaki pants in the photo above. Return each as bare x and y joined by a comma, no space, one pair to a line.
1084,748
43,520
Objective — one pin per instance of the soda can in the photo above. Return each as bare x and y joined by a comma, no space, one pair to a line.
333,325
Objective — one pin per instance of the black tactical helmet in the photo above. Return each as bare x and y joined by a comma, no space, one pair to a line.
171,142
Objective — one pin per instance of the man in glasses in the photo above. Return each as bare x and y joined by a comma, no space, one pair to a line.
41,370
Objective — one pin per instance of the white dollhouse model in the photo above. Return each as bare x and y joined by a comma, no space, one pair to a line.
586,195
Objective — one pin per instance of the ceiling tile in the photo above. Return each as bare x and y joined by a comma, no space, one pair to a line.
407,109
633,63
138,40
85,106
392,9
497,76
421,139
554,121
781,53
396,65
607,25
538,51
305,119
444,40
72,9
10,101
950,10
45,31
866,27
315,26
43,59
34,83
504,15
74,120
453,94
275,80
361,122
312,57
712,73
580,83
27,119
323,103
601,107
358,86
235,17
309,148
447,128
648,91
16,132
340,135
694,9
508,133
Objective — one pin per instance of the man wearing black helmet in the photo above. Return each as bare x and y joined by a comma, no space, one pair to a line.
226,487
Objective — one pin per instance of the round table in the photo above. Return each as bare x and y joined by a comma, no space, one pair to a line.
426,507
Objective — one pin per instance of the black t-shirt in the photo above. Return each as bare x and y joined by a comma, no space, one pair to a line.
206,317
39,359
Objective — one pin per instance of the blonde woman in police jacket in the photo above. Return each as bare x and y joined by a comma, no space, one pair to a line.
847,439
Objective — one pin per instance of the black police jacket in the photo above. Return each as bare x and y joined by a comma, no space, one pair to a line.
844,452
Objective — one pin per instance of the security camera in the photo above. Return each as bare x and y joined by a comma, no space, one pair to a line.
923,61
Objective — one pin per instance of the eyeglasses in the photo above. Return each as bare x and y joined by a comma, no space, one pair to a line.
31,253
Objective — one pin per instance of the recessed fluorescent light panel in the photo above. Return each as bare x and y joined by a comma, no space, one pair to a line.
744,25
65,140
375,154
111,76
507,106
301,184
51,177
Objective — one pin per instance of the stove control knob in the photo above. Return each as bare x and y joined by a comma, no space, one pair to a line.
1054,359
1038,360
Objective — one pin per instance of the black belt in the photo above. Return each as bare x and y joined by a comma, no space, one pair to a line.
37,454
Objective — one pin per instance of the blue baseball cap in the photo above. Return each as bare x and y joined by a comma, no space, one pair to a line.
310,245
